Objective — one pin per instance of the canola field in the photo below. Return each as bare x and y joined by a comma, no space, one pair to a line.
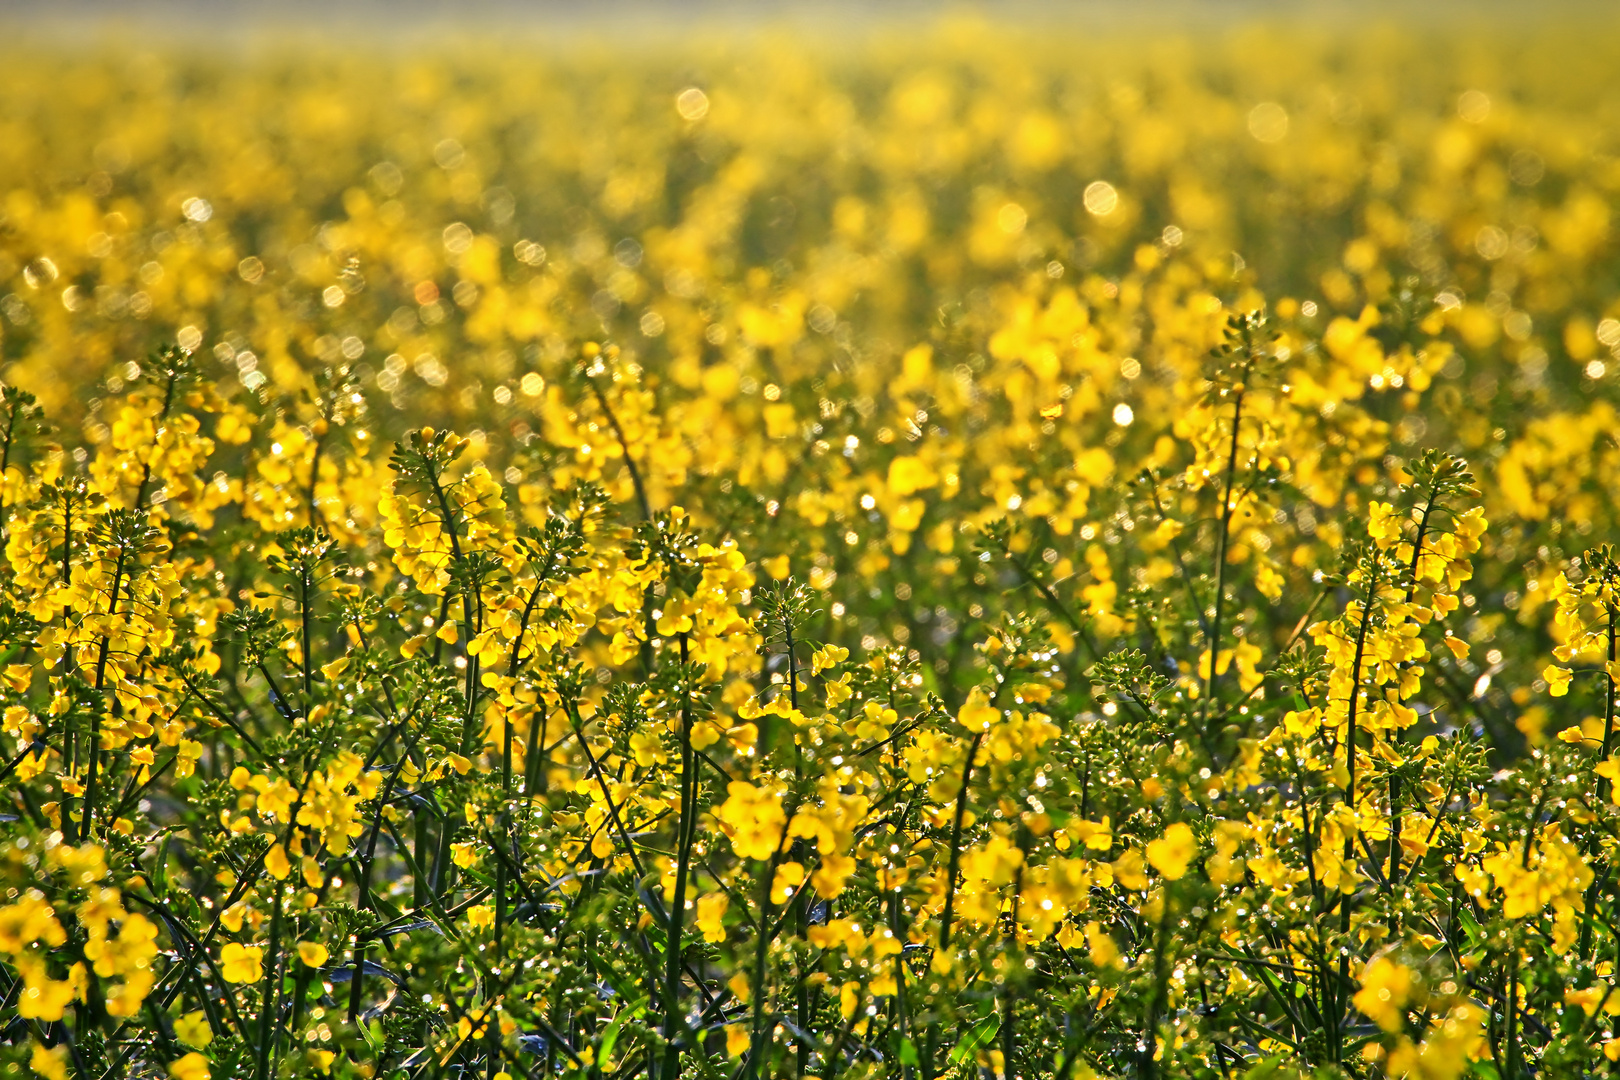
974,551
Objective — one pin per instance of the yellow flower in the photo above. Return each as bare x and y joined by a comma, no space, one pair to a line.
1557,679
1383,524
910,474
1386,987
241,963
277,863
789,876
977,714
42,998
826,656
312,953
849,999
191,1067
28,921
1104,950
50,1063
711,910
1171,854
1447,1048
1128,870
232,917
1609,769
829,878
193,1030
754,817
646,748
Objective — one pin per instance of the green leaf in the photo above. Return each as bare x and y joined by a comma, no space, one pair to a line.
610,1035
1263,1070
1471,927
978,1036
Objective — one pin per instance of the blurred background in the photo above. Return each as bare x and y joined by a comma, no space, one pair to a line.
819,236
450,197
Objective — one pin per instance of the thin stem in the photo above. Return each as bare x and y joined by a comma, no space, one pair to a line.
624,446
572,709
1212,639
1199,612
1601,871
1161,974
67,573
1512,1039
142,491
304,634
956,842
444,508
314,479
1057,605
88,810
685,830
1395,735
762,943
1608,704
267,996
1350,729
5,463
647,658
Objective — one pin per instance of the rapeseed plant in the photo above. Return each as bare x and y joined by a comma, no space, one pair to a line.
891,595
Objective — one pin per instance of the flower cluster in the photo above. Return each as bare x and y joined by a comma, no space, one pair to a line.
885,595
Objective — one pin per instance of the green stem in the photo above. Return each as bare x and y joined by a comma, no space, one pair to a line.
5,463
1161,974
762,942
314,479
685,831
267,996
624,446
88,811
1212,640
157,430
956,843
1608,706
1601,871
1395,736
304,635
1350,725
1511,1047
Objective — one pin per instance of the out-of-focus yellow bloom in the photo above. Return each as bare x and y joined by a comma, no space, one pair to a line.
193,1030
1171,853
192,1066
240,963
